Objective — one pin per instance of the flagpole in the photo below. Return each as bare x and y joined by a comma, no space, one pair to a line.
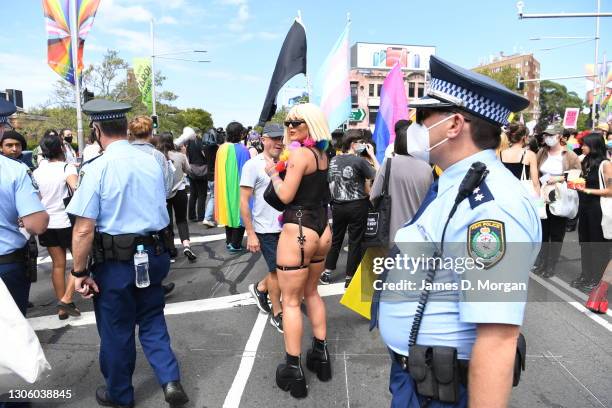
348,24
154,113
74,33
308,87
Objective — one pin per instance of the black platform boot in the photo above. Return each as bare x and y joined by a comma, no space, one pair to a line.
290,377
317,359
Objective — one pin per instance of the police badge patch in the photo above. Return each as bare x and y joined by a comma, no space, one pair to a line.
487,241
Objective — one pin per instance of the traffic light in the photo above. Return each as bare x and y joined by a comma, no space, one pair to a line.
520,85
87,95
155,123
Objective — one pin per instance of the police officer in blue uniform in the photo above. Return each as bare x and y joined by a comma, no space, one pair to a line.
453,336
21,207
120,204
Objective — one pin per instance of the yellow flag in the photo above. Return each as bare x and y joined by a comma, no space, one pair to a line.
358,296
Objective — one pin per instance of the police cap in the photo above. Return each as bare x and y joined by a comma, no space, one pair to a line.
6,109
100,110
454,86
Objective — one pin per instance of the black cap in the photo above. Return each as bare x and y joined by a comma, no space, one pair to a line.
452,85
101,109
6,109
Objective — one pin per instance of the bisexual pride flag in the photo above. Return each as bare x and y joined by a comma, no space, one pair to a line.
332,90
393,107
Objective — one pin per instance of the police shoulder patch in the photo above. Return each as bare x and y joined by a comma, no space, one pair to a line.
486,241
32,179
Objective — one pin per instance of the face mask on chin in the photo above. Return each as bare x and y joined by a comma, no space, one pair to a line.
417,140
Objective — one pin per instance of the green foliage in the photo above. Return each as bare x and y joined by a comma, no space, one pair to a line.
507,76
114,79
554,98
280,115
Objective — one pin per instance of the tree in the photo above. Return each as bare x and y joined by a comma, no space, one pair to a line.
554,99
507,76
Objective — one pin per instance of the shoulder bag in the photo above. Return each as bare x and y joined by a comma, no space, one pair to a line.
379,216
606,206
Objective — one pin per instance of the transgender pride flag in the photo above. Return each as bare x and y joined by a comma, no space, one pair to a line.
332,91
393,107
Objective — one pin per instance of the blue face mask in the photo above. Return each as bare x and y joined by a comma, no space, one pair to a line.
609,144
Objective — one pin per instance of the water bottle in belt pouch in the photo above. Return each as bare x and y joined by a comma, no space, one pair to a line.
141,266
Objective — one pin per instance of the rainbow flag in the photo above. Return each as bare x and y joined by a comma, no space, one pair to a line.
59,43
393,107
228,167
332,90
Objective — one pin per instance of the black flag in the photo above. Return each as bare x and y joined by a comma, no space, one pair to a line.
291,61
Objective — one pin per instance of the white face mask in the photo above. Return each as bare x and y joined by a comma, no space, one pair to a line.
417,140
551,141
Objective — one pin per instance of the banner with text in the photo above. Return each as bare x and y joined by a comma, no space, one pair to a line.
144,78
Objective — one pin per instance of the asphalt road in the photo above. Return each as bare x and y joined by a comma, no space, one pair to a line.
229,352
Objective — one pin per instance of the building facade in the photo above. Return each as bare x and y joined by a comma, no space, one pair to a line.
528,68
370,64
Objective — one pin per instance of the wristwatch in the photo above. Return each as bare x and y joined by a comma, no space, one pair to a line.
79,274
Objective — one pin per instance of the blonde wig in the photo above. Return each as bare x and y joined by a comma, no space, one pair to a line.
315,120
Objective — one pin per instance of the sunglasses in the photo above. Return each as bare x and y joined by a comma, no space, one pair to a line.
294,123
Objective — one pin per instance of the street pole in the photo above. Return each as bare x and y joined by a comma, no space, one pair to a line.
594,114
74,34
153,71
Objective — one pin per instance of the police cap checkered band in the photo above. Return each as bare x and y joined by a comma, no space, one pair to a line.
470,101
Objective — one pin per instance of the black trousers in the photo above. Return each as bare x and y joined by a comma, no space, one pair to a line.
197,199
594,248
553,233
178,206
352,215
234,236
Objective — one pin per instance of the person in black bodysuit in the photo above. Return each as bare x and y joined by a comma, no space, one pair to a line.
303,244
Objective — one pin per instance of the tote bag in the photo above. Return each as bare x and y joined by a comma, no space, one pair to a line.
606,206
379,217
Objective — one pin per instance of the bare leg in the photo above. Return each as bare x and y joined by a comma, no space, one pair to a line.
274,292
314,303
293,282
58,276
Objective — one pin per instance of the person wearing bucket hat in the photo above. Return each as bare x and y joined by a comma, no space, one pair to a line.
475,200
553,160
120,209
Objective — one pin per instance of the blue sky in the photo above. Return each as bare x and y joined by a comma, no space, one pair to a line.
243,38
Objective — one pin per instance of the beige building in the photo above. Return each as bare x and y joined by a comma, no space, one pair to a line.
529,68
370,64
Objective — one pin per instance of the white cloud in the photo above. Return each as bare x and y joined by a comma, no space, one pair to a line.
30,74
167,20
112,12
238,23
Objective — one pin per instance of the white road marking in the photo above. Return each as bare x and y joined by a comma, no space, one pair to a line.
573,291
193,306
234,395
574,377
348,399
177,241
577,305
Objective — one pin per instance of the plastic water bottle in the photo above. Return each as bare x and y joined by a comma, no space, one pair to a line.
141,265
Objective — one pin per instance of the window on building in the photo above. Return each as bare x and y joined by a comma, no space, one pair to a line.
371,90
411,89
421,92
354,93
379,89
373,113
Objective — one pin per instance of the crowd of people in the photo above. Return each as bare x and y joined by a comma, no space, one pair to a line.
282,188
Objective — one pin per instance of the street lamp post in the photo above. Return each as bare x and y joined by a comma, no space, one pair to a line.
164,56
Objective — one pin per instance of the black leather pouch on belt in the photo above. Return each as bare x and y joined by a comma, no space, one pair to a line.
435,370
32,259
519,360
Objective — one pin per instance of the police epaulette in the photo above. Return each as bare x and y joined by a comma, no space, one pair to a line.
481,195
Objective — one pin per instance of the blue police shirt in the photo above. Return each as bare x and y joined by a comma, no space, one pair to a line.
498,225
123,190
19,198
